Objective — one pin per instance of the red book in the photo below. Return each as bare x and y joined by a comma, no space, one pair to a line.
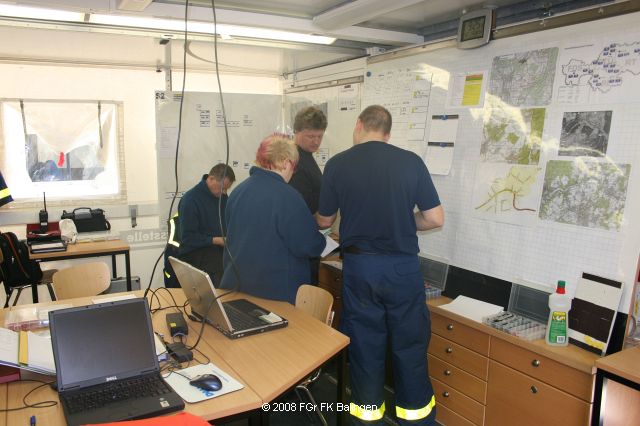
9,374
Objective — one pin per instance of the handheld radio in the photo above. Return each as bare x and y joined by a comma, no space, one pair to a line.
44,216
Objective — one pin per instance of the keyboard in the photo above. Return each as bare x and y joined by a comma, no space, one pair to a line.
101,395
240,320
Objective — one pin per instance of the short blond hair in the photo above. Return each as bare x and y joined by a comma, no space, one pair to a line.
274,150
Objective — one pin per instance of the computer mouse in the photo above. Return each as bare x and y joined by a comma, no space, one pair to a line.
209,382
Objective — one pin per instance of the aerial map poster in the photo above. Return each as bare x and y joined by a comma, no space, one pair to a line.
544,182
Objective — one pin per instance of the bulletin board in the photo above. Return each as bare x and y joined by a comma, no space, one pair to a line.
250,118
540,180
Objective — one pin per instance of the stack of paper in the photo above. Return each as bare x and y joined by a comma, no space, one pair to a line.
472,308
48,246
27,350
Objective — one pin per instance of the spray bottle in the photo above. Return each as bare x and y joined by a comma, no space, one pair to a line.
558,324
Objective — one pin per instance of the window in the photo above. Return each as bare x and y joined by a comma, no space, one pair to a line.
66,149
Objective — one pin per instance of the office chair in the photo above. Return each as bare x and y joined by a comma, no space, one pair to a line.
318,303
46,279
83,280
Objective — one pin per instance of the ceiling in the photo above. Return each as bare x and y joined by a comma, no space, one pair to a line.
361,27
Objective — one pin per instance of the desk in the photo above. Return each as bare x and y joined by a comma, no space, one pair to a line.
242,401
617,389
267,364
274,362
90,249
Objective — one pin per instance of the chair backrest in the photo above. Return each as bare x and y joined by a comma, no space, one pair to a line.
315,301
86,279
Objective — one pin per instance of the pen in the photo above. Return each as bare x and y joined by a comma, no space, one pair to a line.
32,421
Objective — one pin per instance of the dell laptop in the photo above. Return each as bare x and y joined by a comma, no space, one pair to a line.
235,318
106,363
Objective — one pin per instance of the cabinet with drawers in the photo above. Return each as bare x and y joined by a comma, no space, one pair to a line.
482,376
458,366
330,279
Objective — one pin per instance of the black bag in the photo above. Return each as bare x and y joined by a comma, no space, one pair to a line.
87,219
17,269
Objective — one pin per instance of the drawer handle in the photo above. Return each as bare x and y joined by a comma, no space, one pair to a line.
447,372
534,389
445,394
448,350
535,363
450,327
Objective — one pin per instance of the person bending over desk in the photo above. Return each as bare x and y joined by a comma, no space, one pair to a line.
201,242
270,232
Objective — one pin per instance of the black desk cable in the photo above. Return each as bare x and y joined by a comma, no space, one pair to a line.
175,161
40,404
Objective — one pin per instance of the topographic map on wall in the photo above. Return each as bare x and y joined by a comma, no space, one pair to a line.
523,79
585,193
599,72
512,135
506,193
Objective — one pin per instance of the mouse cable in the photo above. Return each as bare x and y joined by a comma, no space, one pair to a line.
40,404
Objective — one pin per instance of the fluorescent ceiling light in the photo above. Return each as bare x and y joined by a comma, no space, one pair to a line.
358,11
40,13
207,28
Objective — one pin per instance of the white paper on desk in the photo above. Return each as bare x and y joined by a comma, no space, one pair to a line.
331,245
43,312
192,394
40,352
472,308
335,263
9,340
114,298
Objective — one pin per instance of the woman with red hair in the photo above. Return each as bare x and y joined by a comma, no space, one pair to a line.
270,232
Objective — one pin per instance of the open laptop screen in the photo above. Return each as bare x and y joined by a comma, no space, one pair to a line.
99,343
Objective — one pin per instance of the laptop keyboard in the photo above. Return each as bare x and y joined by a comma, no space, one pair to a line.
240,320
108,393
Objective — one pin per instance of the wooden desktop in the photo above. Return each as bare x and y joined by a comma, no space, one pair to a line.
267,364
89,249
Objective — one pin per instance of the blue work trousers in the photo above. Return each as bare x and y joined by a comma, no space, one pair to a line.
384,300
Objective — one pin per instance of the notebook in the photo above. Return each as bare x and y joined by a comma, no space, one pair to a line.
235,318
106,363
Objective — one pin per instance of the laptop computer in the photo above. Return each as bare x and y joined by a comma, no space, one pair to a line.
106,363
235,318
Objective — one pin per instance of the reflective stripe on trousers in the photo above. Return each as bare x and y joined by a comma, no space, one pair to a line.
420,413
362,413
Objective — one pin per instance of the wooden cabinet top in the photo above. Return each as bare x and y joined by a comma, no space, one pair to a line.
571,355
624,363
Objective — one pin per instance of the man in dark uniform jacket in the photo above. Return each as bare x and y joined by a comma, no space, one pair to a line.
309,126
200,212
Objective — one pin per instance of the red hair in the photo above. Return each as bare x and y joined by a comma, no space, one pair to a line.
274,150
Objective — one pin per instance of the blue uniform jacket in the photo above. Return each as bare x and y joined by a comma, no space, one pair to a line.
198,217
271,236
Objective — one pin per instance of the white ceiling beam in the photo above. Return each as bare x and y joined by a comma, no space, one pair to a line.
261,20
358,11
251,19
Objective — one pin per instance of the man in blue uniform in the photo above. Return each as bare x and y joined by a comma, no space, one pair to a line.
309,126
376,186
200,211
